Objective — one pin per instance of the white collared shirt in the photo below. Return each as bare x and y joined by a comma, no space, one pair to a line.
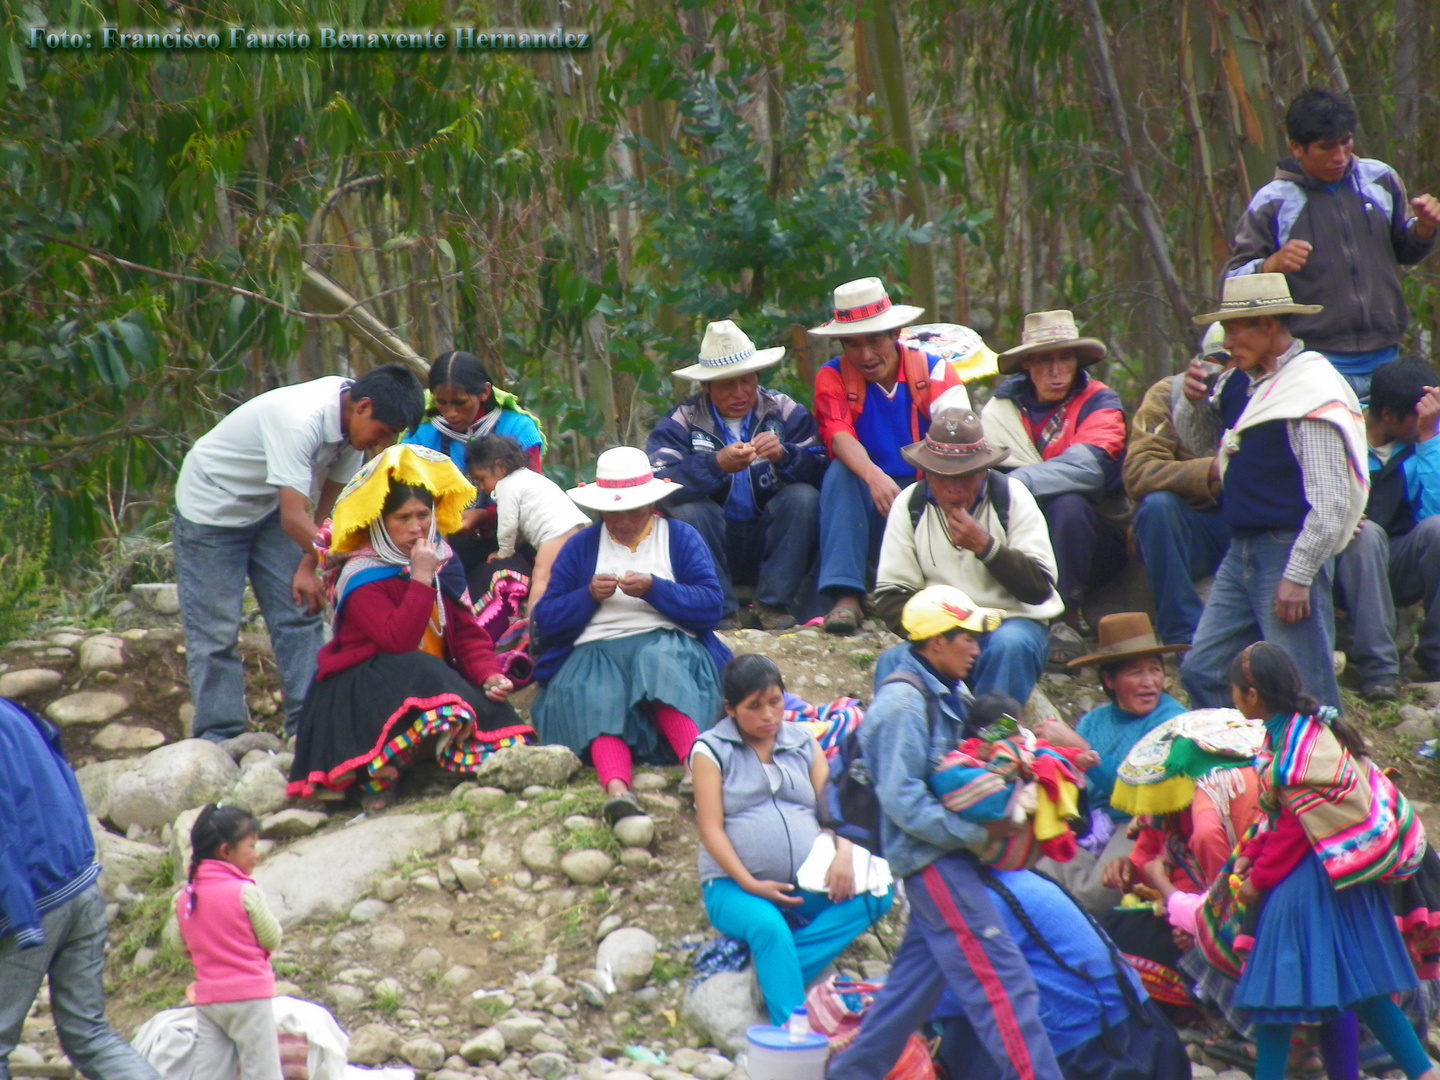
285,438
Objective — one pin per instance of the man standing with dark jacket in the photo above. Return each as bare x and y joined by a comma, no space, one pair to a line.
52,919
749,462
1338,227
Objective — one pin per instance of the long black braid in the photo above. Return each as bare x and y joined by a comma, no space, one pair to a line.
1119,964
215,827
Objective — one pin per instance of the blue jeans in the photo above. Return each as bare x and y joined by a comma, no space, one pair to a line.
73,956
773,552
850,533
211,565
954,938
1178,544
1012,656
1241,610
1372,575
786,958
1358,369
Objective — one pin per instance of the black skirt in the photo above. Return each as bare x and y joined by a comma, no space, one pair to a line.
377,710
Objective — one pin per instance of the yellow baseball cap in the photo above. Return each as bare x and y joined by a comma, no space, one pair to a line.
942,608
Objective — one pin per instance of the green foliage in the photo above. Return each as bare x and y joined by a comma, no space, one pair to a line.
387,1000
669,967
24,552
597,837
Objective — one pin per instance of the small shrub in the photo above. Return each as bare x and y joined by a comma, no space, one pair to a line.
387,1000
24,552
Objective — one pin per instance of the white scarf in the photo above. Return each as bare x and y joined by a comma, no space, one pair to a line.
484,424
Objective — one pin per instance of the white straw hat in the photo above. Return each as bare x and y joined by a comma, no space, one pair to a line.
863,307
726,352
624,480
1253,295
1051,331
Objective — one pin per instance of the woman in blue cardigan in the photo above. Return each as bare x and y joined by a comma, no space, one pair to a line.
627,656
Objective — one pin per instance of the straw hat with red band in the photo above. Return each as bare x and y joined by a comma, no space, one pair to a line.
863,307
624,480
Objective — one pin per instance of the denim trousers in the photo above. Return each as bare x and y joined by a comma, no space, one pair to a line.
1372,575
773,552
788,956
211,565
1241,610
850,533
1178,545
73,956
1012,656
954,938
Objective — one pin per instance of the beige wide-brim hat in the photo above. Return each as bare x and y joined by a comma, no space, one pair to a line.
727,351
624,480
1051,331
863,307
1253,295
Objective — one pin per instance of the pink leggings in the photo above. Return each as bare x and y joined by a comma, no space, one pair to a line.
612,756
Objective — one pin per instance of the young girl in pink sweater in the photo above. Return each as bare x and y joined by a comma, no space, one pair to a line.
230,932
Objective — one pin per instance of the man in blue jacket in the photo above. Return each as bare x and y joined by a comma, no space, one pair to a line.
1396,552
52,919
749,462
955,938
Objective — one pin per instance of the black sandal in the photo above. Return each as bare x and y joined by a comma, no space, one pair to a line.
621,806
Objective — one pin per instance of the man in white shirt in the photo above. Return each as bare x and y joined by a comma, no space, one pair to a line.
242,509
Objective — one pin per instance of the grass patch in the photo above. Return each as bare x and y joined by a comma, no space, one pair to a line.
669,967
597,836
491,1007
387,1000
572,929
600,897
863,659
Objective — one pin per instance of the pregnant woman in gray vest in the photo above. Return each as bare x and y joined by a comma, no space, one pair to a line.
757,787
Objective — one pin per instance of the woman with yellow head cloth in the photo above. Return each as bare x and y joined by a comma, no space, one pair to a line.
409,669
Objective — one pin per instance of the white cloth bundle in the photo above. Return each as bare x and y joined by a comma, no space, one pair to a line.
872,873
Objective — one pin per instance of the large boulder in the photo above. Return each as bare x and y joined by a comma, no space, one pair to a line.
87,707
96,779
260,789
627,955
373,1044
322,876
721,1008
124,862
20,684
173,778
517,767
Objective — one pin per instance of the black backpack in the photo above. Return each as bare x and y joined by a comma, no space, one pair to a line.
850,806
998,488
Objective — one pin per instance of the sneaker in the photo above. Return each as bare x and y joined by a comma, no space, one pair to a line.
1384,688
773,618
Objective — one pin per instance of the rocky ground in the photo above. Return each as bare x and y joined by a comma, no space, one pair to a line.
490,928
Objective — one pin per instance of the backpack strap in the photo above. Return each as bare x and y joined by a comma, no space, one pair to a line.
932,703
916,365
854,384
997,485
919,496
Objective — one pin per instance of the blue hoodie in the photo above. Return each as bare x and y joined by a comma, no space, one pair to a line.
47,855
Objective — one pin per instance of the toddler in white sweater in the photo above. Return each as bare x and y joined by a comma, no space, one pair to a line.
528,506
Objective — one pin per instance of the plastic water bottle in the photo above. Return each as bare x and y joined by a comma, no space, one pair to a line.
799,1024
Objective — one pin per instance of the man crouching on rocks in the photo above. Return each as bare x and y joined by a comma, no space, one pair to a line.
955,937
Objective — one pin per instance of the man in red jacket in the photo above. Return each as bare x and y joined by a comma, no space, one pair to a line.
1066,435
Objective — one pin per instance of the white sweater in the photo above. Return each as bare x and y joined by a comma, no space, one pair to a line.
534,507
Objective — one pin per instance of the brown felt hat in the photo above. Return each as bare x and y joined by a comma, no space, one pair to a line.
1125,635
955,445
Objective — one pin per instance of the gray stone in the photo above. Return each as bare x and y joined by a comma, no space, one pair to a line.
468,874
627,956
163,598
588,867
346,995
591,994
1201,1072
368,910
387,988
650,781
102,653
545,1041
714,1068
373,1044
498,858
608,925
322,876
538,852
720,1008
288,824
17,685
1230,1074
87,707
26,1055
489,1045
517,767
533,791
549,1066
637,858
1415,722
186,717
391,889
123,863
422,1053
257,757
518,1030
116,736
635,831
65,638
95,782
387,939
427,959
457,975
177,777
484,798
241,745
262,705
685,1059
579,823
260,790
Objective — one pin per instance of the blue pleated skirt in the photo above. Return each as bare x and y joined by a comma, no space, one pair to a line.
604,688
1319,952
